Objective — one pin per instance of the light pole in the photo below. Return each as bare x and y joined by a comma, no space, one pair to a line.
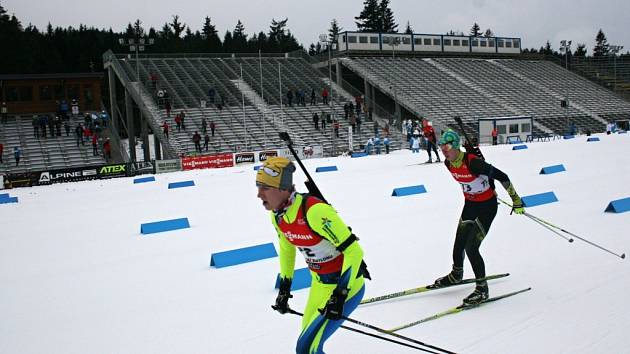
330,42
394,42
566,47
137,44
614,50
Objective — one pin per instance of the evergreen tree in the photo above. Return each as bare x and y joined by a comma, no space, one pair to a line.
580,51
211,39
276,33
240,38
311,50
388,23
475,30
408,29
228,42
369,20
166,33
601,45
333,31
137,28
547,50
178,27
488,33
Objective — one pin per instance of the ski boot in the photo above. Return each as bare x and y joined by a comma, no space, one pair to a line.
454,277
478,296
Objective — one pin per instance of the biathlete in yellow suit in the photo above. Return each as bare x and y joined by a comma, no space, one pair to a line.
331,251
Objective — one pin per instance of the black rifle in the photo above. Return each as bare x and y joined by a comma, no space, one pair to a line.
468,145
310,184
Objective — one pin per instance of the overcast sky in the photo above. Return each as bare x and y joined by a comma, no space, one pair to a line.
535,21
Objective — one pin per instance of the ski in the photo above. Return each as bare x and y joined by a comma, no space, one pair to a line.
458,309
426,288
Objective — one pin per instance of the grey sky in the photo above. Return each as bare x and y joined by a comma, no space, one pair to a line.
535,21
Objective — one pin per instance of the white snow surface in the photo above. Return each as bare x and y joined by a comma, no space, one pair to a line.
77,276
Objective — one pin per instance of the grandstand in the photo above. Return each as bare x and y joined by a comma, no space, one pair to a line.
441,88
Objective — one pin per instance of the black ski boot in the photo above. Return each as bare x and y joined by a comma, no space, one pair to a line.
478,296
454,277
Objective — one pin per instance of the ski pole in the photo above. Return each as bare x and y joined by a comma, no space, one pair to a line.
374,335
539,222
542,221
384,331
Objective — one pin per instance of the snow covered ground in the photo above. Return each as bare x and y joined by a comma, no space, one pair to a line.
77,276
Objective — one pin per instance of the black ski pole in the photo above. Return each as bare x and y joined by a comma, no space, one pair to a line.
310,184
374,335
533,218
384,331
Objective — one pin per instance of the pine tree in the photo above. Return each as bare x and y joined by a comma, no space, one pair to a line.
388,23
178,27
228,42
210,36
333,31
475,30
601,45
369,20
580,51
408,29
311,50
276,33
137,28
547,50
239,37
488,33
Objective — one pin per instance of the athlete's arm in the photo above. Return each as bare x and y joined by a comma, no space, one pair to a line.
324,220
286,254
481,167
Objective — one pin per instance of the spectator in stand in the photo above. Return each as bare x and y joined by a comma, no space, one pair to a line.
75,107
316,121
345,110
290,97
368,146
63,109
206,140
313,97
4,112
197,140
325,117
182,115
1,151
107,150
104,118
386,129
43,123
58,125
386,143
66,127
86,133
353,121
212,127
415,143
336,127
494,135
154,81
377,145
17,152
204,126
167,107
78,132
94,145
165,129
429,134
325,95
35,123
178,122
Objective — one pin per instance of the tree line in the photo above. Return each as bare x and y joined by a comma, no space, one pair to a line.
28,50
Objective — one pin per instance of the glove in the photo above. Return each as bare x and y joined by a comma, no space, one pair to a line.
282,300
334,307
517,206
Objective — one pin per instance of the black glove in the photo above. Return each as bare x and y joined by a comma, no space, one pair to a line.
334,307
282,300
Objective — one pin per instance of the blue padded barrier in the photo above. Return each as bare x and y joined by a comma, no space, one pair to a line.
594,138
8,200
622,132
144,179
539,199
552,169
164,225
326,169
403,191
4,195
181,184
242,255
568,137
301,279
256,168
358,154
619,206
519,147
